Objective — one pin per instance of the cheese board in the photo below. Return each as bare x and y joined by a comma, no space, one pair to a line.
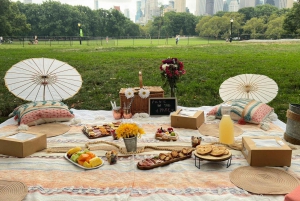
165,159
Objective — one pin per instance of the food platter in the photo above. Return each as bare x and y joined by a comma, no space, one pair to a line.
66,157
165,158
163,163
166,134
209,157
167,137
93,132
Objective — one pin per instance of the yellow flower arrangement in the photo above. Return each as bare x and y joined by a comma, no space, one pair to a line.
128,130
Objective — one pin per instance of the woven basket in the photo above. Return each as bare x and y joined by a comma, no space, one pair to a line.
140,105
292,133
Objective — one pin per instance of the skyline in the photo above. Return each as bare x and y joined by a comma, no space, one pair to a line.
105,4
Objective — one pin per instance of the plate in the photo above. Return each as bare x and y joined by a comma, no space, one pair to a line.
213,158
83,166
169,138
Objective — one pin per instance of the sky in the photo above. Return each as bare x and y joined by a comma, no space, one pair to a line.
107,4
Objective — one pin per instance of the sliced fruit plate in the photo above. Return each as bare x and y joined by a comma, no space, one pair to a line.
164,159
86,168
84,159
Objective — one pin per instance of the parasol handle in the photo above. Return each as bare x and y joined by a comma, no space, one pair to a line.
141,79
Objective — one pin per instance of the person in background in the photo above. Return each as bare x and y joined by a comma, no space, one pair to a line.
106,39
36,41
177,39
1,39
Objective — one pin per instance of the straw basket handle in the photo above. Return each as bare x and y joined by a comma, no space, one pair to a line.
141,79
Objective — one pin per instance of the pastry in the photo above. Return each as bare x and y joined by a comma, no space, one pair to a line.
203,149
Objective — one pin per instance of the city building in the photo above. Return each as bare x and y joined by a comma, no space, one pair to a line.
280,3
139,12
218,6
146,10
180,5
117,8
233,6
169,7
96,4
200,7
27,1
208,7
127,13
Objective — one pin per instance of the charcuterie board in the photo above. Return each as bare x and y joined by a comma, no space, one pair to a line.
93,132
164,159
162,163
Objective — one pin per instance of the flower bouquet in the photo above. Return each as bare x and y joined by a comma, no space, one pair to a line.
129,132
171,70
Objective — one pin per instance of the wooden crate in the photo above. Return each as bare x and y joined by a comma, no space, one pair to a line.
140,105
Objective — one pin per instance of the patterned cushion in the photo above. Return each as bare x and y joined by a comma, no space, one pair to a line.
251,111
41,112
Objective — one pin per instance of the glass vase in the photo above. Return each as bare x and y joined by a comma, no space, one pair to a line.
173,91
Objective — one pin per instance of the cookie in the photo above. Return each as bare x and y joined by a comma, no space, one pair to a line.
203,149
217,152
226,152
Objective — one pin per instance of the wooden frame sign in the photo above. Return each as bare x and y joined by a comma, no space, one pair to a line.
162,106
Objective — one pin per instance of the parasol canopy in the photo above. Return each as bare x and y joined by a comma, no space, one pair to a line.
41,79
250,86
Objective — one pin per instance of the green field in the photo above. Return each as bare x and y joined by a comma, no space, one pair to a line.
106,68
115,42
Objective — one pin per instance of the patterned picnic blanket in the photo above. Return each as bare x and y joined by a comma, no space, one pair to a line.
49,176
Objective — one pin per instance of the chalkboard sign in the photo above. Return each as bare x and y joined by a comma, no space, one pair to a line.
162,106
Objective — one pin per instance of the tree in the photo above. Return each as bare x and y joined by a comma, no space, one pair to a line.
254,26
200,26
264,10
12,21
215,26
248,13
274,28
292,21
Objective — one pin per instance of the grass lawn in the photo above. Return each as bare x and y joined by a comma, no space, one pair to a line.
106,68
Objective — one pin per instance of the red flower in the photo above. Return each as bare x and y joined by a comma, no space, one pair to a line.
172,71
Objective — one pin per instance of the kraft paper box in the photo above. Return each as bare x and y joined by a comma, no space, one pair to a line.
187,119
22,144
266,151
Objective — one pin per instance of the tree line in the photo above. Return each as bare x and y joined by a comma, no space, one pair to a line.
51,18
263,20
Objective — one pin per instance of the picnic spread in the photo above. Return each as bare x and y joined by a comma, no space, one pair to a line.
148,148
48,175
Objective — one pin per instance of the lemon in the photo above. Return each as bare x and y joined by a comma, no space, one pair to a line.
95,161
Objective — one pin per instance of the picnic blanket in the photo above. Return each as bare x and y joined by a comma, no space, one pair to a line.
49,176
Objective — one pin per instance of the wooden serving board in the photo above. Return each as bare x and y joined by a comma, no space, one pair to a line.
164,163
96,136
213,158
170,138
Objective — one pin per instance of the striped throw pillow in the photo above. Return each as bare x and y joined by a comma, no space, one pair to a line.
249,110
40,112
